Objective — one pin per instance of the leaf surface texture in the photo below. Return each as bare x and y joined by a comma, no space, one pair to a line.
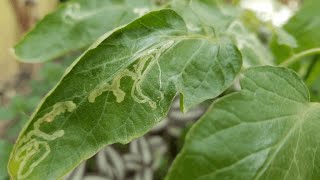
119,90
269,130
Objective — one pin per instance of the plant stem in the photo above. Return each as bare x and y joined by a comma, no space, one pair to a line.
311,66
297,57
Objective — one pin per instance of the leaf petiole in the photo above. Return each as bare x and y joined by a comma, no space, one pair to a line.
297,57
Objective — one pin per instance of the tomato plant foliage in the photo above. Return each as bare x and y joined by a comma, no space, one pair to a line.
147,53
268,130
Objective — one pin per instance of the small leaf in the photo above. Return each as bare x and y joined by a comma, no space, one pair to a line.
268,130
253,51
119,90
76,24
284,38
280,51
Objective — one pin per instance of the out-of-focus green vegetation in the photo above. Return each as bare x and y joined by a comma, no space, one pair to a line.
19,94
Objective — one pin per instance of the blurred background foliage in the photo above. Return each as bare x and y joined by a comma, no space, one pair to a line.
22,86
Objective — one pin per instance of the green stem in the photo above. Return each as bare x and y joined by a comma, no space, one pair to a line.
311,66
297,57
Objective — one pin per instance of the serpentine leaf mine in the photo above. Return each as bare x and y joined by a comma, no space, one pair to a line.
34,146
139,72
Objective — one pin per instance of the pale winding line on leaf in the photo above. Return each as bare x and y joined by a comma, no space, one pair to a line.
151,54
34,146
73,13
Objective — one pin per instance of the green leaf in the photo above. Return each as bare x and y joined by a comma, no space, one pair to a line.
305,25
5,149
268,130
280,45
119,90
205,16
313,79
284,38
76,24
253,51
215,18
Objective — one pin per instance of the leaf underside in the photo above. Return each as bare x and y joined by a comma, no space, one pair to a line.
268,130
119,90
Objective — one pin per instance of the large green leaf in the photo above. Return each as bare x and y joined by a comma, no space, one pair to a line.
268,130
77,24
119,89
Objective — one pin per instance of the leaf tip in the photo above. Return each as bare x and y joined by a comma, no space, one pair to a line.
19,57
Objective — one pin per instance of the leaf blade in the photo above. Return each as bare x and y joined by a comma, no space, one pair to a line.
215,18
303,28
261,132
76,25
116,92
